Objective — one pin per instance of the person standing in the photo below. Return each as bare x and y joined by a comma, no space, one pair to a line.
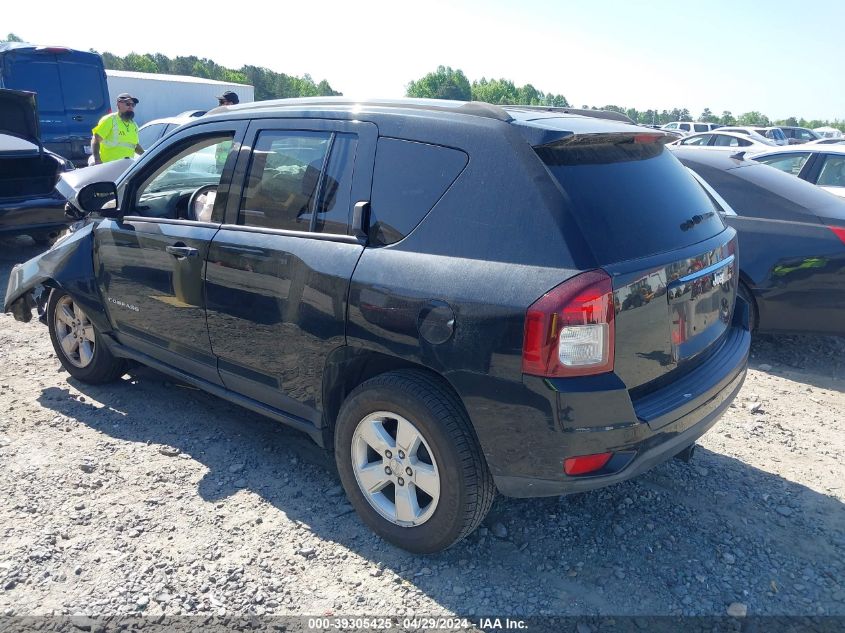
116,134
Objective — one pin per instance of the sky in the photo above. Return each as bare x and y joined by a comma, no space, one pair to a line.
782,58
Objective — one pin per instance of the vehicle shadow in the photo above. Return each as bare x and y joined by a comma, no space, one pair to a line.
814,360
704,534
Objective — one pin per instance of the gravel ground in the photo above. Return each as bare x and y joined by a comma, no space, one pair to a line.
152,497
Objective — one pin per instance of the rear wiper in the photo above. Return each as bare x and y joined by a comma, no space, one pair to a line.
696,219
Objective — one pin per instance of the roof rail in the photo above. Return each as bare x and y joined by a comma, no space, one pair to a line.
596,114
473,108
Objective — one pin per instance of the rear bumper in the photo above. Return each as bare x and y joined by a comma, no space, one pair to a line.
652,430
661,446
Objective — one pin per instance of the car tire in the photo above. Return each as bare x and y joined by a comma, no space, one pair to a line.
444,465
744,292
80,348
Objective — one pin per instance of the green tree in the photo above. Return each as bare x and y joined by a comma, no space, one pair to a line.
444,83
11,37
727,118
708,117
555,101
140,63
753,118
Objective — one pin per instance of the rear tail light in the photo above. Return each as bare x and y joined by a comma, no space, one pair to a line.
569,331
583,464
839,232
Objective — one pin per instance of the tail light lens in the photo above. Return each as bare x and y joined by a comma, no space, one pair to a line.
569,331
839,232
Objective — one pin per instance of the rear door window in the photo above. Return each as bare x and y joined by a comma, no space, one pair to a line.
408,180
300,180
282,181
701,127
685,127
833,171
631,199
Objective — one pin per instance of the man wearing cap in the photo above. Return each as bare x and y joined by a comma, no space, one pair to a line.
228,98
116,135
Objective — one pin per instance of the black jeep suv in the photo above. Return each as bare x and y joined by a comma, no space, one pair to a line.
456,298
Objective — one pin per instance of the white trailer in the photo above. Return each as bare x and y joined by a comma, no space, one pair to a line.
163,96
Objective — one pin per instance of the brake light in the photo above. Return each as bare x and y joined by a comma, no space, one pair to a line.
52,49
583,464
642,139
569,331
839,232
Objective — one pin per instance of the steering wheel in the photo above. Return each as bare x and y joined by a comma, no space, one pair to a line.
198,200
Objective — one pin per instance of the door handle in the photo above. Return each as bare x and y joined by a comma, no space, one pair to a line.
181,251
77,117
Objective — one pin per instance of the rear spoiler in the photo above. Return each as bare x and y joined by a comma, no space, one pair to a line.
596,114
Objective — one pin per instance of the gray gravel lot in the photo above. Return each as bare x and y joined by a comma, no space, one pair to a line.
152,497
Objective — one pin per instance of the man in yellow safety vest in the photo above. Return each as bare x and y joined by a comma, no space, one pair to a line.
116,135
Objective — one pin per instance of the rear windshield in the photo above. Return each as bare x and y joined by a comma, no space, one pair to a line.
761,191
631,199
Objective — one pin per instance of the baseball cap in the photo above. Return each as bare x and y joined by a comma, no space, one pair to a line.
125,96
229,96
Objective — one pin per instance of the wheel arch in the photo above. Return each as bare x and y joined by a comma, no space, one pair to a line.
347,367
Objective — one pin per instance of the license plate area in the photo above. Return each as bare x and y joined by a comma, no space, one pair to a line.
700,307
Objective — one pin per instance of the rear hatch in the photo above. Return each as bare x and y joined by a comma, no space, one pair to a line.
656,233
72,94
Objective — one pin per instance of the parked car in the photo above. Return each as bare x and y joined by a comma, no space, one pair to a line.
725,142
774,134
791,242
828,132
827,141
151,132
797,135
822,165
29,202
690,127
71,88
362,278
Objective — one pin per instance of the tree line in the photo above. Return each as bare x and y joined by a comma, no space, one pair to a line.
443,83
267,83
447,83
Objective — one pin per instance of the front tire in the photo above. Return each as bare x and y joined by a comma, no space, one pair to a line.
77,343
410,462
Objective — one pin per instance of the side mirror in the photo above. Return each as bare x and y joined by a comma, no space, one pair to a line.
100,198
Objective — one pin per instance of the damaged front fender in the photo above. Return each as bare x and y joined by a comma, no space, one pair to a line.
69,265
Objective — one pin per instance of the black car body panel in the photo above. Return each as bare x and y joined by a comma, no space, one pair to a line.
289,319
792,260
